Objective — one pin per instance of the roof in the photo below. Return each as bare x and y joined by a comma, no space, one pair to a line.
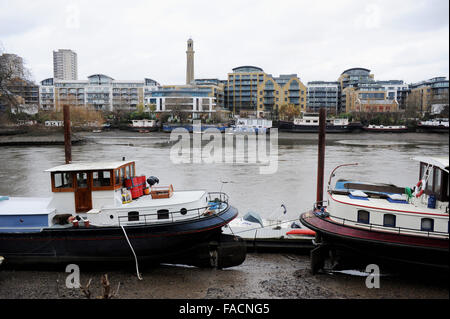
253,68
88,166
441,162
363,69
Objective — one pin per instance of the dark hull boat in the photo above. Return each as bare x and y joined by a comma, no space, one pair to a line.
377,246
285,126
188,242
382,223
93,217
309,123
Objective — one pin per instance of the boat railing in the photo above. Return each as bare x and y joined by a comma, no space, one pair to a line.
398,230
215,201
218,197
318,205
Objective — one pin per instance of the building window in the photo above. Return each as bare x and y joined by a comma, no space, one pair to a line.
427,224
389,220
363,217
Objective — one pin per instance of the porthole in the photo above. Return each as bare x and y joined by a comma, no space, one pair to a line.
133,216
183,211
389,220
163,214
427,224
111,216
363,217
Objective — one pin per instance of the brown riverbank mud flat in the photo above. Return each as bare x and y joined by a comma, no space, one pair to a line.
271,276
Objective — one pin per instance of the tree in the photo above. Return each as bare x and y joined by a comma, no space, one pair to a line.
413,104
11,68
178,111
289,112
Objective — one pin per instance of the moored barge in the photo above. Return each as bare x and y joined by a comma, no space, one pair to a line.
92,217
386,223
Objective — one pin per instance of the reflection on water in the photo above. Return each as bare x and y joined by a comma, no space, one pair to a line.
386,160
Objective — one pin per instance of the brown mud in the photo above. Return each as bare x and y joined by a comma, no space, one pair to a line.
271,276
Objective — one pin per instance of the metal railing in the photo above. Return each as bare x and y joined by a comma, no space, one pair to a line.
215,202
398,230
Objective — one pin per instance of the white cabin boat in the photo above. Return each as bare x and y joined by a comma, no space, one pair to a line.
97,207
403,224
249,125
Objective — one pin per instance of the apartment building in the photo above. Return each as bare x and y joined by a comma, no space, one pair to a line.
249,91
99,92
429,95
323,94
65,65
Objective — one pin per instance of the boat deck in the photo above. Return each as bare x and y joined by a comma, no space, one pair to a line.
25,205
386,204
178,198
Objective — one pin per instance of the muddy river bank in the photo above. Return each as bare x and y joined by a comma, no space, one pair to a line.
261,276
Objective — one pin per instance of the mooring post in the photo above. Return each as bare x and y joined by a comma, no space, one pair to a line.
67,137
321,157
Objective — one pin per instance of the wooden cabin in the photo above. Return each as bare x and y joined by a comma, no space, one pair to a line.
81,187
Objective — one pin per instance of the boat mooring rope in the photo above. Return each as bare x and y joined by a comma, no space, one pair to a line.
135,257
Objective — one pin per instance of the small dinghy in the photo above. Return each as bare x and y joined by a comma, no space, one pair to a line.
270,234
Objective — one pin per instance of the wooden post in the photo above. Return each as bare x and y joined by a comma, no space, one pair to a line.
67,133
321,157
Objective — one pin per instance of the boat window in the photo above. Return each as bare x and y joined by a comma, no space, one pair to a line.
101,178
437,180
183,211
128,171
430,181
82,180
363,216
133,216
389,220
427,224
163,214
117,176
122,174
63,180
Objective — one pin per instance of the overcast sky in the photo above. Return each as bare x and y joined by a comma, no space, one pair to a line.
130,40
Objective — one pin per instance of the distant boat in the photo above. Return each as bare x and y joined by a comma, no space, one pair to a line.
386,128
309,123
434,126
143,126
248,125
168,127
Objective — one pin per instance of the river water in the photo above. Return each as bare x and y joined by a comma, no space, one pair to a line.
385,158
